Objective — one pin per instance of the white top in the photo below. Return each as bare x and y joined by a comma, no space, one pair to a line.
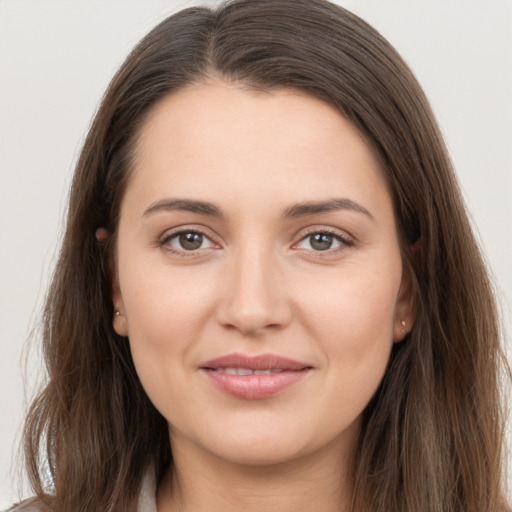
147,498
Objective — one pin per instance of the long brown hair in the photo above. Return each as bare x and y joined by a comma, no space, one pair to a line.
432,435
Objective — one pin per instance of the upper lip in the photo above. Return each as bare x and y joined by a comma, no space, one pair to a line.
260,362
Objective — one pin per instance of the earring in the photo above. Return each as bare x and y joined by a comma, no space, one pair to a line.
403,327
119,323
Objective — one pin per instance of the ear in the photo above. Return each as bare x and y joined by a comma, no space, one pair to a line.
406,305
119,321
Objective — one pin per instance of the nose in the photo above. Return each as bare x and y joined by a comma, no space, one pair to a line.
254,296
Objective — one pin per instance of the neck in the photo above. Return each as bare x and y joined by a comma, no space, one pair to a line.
202,481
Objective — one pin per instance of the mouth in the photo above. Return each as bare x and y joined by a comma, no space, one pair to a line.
254,377
245,371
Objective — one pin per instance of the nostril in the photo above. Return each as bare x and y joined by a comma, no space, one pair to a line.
254,298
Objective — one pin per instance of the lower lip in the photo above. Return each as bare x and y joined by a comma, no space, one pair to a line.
255,387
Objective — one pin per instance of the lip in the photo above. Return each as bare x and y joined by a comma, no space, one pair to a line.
283,373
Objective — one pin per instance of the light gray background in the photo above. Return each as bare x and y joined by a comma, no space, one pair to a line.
56,58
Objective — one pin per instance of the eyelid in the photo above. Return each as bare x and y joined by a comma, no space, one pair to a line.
163,240
346,240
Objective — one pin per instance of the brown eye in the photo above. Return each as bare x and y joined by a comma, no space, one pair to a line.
190,241
187,242
321,241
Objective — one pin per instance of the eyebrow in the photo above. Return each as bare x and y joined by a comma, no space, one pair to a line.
316,207
184,205
293,212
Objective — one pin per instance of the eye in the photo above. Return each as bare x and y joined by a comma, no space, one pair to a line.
187,241
321,241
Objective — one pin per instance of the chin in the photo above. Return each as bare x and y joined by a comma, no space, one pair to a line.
266,444
258,454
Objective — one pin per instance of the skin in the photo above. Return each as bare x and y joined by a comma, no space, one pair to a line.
258,285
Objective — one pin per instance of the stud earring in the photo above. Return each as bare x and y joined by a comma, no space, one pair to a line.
119,323
403,327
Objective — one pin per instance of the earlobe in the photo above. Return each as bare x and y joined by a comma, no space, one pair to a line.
405,311
119,323
401,331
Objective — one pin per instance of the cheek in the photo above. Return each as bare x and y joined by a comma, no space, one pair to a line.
354,305
351,319
159,300
166,312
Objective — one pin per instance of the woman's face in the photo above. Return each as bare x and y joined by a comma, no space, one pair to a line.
259,275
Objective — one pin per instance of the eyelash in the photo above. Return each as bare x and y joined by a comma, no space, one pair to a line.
183,253
344,240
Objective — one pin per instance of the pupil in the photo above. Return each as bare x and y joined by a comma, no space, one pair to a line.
321,241
191,241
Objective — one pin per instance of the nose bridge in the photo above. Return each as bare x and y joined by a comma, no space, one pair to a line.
255,296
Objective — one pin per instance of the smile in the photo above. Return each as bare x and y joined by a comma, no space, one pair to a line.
246,371
254,377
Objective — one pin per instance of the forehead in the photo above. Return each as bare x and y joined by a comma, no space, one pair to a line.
220,138
241,111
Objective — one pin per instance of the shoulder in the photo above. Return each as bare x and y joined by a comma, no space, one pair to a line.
30,505
146,501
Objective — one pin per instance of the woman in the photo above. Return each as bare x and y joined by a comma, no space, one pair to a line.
268,293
